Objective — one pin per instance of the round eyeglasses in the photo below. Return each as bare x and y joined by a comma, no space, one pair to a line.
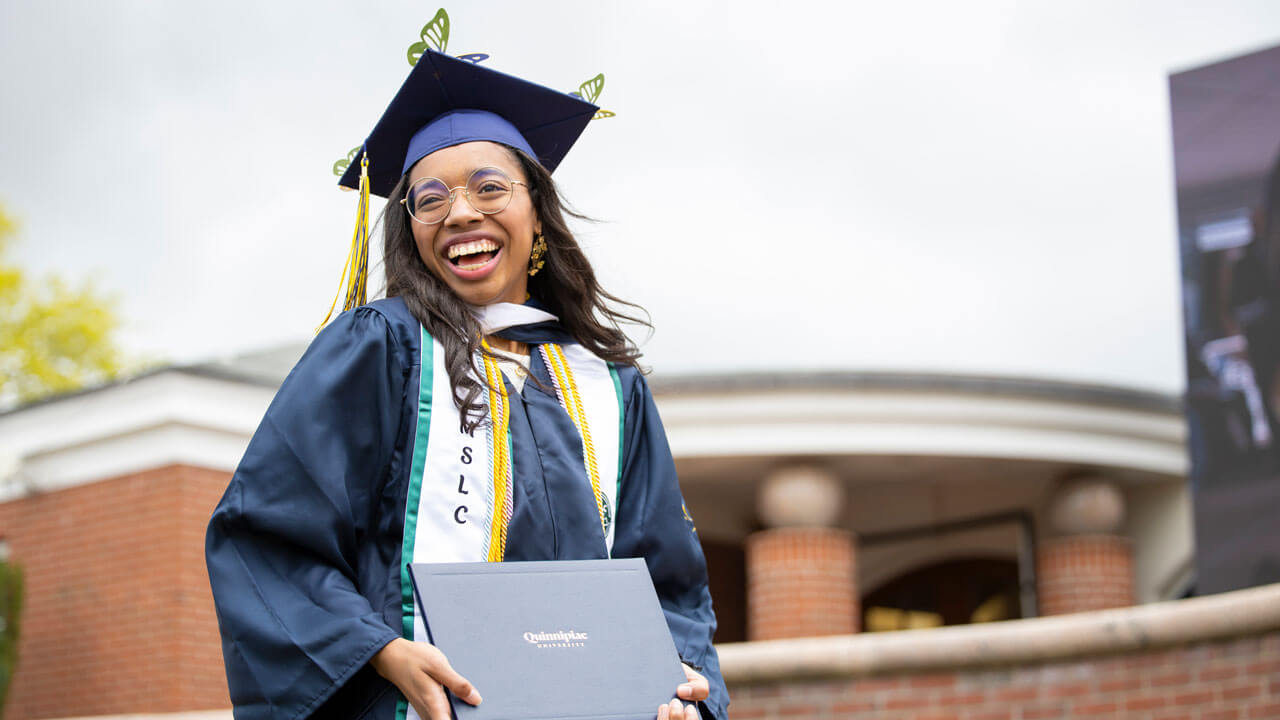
489,191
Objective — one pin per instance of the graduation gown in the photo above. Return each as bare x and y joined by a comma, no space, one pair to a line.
304,549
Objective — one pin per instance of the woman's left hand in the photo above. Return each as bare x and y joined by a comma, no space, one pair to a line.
691,692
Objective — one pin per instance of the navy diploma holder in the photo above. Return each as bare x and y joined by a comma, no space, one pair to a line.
542,640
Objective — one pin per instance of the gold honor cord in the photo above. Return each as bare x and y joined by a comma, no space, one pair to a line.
355,273
500,417
567,392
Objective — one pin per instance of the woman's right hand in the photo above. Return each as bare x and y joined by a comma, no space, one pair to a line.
422,672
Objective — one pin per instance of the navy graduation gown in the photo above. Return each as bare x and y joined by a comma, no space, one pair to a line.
304,548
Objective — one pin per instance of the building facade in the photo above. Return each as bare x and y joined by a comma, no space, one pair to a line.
829,506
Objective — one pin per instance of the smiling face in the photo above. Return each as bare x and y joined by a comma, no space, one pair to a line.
483,258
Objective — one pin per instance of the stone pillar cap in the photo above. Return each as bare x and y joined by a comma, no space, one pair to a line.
800,496
1087,506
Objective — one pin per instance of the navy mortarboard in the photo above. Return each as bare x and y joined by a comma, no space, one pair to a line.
446,101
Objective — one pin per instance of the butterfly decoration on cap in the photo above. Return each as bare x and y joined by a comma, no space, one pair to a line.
434,34
589,91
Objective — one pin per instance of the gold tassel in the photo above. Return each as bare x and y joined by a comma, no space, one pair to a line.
355,273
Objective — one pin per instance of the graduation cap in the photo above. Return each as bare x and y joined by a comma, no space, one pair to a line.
448,101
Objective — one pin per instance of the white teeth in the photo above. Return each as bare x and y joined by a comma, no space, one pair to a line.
473,247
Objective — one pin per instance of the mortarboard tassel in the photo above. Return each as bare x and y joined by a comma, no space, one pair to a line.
355,274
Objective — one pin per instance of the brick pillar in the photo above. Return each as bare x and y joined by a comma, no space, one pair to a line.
1088,563
801,579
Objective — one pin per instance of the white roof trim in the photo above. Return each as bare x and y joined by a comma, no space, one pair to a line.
171,417
852,421
177,416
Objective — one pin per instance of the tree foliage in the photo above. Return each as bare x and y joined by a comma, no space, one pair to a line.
54,337
10,612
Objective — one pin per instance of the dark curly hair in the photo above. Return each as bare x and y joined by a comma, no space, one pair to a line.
566,285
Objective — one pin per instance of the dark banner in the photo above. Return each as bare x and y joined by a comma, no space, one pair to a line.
1226,136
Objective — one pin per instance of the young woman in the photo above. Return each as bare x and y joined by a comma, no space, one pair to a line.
488,409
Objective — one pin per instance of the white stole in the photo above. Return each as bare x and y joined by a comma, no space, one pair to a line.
449,512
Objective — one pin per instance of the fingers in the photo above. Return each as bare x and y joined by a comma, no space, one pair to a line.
430,701
431,675
693,692
461,687
437,704
675,710
696,689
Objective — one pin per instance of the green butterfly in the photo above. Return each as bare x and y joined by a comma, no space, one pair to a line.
341,165
435,35
589,91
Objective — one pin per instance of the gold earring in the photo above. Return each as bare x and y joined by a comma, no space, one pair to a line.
535,254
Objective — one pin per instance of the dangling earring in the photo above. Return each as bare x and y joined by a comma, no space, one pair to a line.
535,254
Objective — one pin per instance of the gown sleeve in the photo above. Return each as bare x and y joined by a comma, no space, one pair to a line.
283,547
654,523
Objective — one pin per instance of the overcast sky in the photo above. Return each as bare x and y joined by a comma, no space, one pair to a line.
976,187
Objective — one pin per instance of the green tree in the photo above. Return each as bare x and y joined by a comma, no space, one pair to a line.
10,611
53,337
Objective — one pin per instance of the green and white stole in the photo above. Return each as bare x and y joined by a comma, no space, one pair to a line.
460,484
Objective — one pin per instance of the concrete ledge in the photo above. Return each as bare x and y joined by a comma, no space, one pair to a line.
1035,640
185,715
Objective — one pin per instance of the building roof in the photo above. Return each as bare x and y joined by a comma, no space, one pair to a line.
204,414
1093,394
268,367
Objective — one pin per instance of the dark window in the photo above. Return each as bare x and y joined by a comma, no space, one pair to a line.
954,592
727,575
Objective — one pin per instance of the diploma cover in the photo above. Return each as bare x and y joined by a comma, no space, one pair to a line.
541,640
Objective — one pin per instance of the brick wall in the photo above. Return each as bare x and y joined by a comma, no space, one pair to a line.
1228,680
801,582
1084,572
118,614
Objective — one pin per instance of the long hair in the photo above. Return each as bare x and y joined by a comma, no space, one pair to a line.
566,285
